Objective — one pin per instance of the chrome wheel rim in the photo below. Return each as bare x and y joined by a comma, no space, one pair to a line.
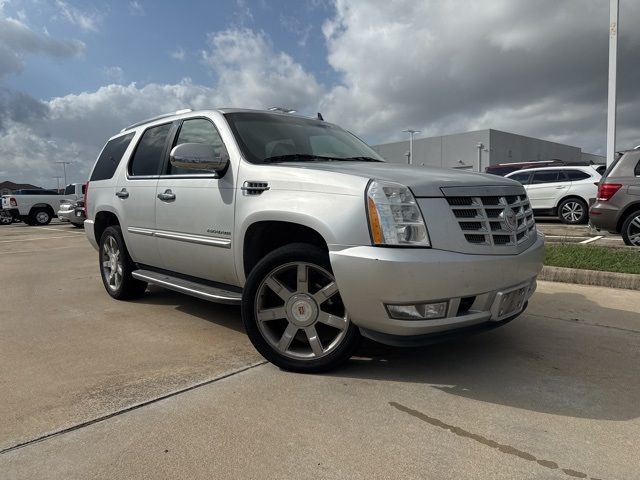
42,217
572,211
299,311
112,266
633,231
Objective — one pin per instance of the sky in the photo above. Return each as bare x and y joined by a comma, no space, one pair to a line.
73,73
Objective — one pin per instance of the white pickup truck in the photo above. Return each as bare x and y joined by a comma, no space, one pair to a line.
38,207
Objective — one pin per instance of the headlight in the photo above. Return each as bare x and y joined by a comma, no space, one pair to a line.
394,216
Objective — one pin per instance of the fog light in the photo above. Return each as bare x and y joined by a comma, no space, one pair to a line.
420,311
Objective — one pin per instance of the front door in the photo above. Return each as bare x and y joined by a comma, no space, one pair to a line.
195,212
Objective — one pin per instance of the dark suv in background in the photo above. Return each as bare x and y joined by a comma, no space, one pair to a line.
617,207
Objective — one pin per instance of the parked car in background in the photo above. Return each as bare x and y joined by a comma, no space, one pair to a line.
617,206
72,212
565,192
503,169
38,207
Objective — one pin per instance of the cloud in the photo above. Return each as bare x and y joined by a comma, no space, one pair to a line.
251,73
537,68
17,41
178,54
136,9
87,22
113,74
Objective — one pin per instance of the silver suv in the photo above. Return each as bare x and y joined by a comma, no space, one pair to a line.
617,207
307,228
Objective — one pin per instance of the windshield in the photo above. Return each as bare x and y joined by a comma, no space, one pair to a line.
270,138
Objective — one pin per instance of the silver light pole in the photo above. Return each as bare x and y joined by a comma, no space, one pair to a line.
411,133
58,180
613,60
64,168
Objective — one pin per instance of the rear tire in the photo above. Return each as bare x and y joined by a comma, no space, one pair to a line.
573,211
116,266
41,216
631,229
293,313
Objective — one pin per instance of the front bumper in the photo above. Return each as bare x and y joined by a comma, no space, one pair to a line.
65,215
370,277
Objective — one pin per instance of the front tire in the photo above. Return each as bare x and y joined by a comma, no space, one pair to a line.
573,211
293,313
631,229
116,266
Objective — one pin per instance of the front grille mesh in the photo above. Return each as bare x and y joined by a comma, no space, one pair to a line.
483,220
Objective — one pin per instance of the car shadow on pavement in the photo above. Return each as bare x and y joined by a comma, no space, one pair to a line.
227,316
547,365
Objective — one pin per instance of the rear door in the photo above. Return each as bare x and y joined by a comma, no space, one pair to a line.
195,212
136,195
546,188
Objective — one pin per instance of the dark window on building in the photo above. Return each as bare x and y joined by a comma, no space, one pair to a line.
196,130
110,158
523,178
545,177
147,158
575,175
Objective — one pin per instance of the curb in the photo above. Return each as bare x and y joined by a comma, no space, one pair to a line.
590,277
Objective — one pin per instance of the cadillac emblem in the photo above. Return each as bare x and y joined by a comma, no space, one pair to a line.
510,218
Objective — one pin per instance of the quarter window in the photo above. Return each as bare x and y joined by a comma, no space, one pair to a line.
196,130
110,157
147,158
575,175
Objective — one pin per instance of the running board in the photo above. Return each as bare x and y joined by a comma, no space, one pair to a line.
205,292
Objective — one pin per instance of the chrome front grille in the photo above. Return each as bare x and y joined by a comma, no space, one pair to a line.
498,220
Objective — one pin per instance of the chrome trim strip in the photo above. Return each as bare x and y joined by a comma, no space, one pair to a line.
182,237
198,239
140,231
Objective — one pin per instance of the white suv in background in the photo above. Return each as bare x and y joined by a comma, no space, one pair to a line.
562,191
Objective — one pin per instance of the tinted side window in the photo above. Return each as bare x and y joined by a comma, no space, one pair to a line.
110,158
576,175
545,177
70,190
148,155
523,178
196,130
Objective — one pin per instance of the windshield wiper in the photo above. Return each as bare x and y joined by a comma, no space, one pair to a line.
362,159
296,157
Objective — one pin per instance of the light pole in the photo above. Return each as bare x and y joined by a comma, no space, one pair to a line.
411,133
64,168
58,179
613,60
479,146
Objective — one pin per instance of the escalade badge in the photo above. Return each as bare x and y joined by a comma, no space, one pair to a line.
510,218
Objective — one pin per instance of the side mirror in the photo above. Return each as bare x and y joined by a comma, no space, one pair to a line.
199,156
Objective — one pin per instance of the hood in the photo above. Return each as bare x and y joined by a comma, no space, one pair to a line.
423,181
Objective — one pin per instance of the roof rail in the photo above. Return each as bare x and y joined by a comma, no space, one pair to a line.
159,117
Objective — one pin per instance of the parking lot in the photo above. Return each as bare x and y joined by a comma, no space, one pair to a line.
170,387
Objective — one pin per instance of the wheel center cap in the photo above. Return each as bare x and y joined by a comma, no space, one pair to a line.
302,310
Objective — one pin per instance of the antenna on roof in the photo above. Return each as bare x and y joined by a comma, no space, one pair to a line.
282,109
320,117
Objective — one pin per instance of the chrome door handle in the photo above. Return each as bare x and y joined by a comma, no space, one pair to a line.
122,193
560,187
167,196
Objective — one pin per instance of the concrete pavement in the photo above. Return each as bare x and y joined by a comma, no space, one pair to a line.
551,395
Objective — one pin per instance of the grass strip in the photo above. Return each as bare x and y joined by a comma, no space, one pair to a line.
586,257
